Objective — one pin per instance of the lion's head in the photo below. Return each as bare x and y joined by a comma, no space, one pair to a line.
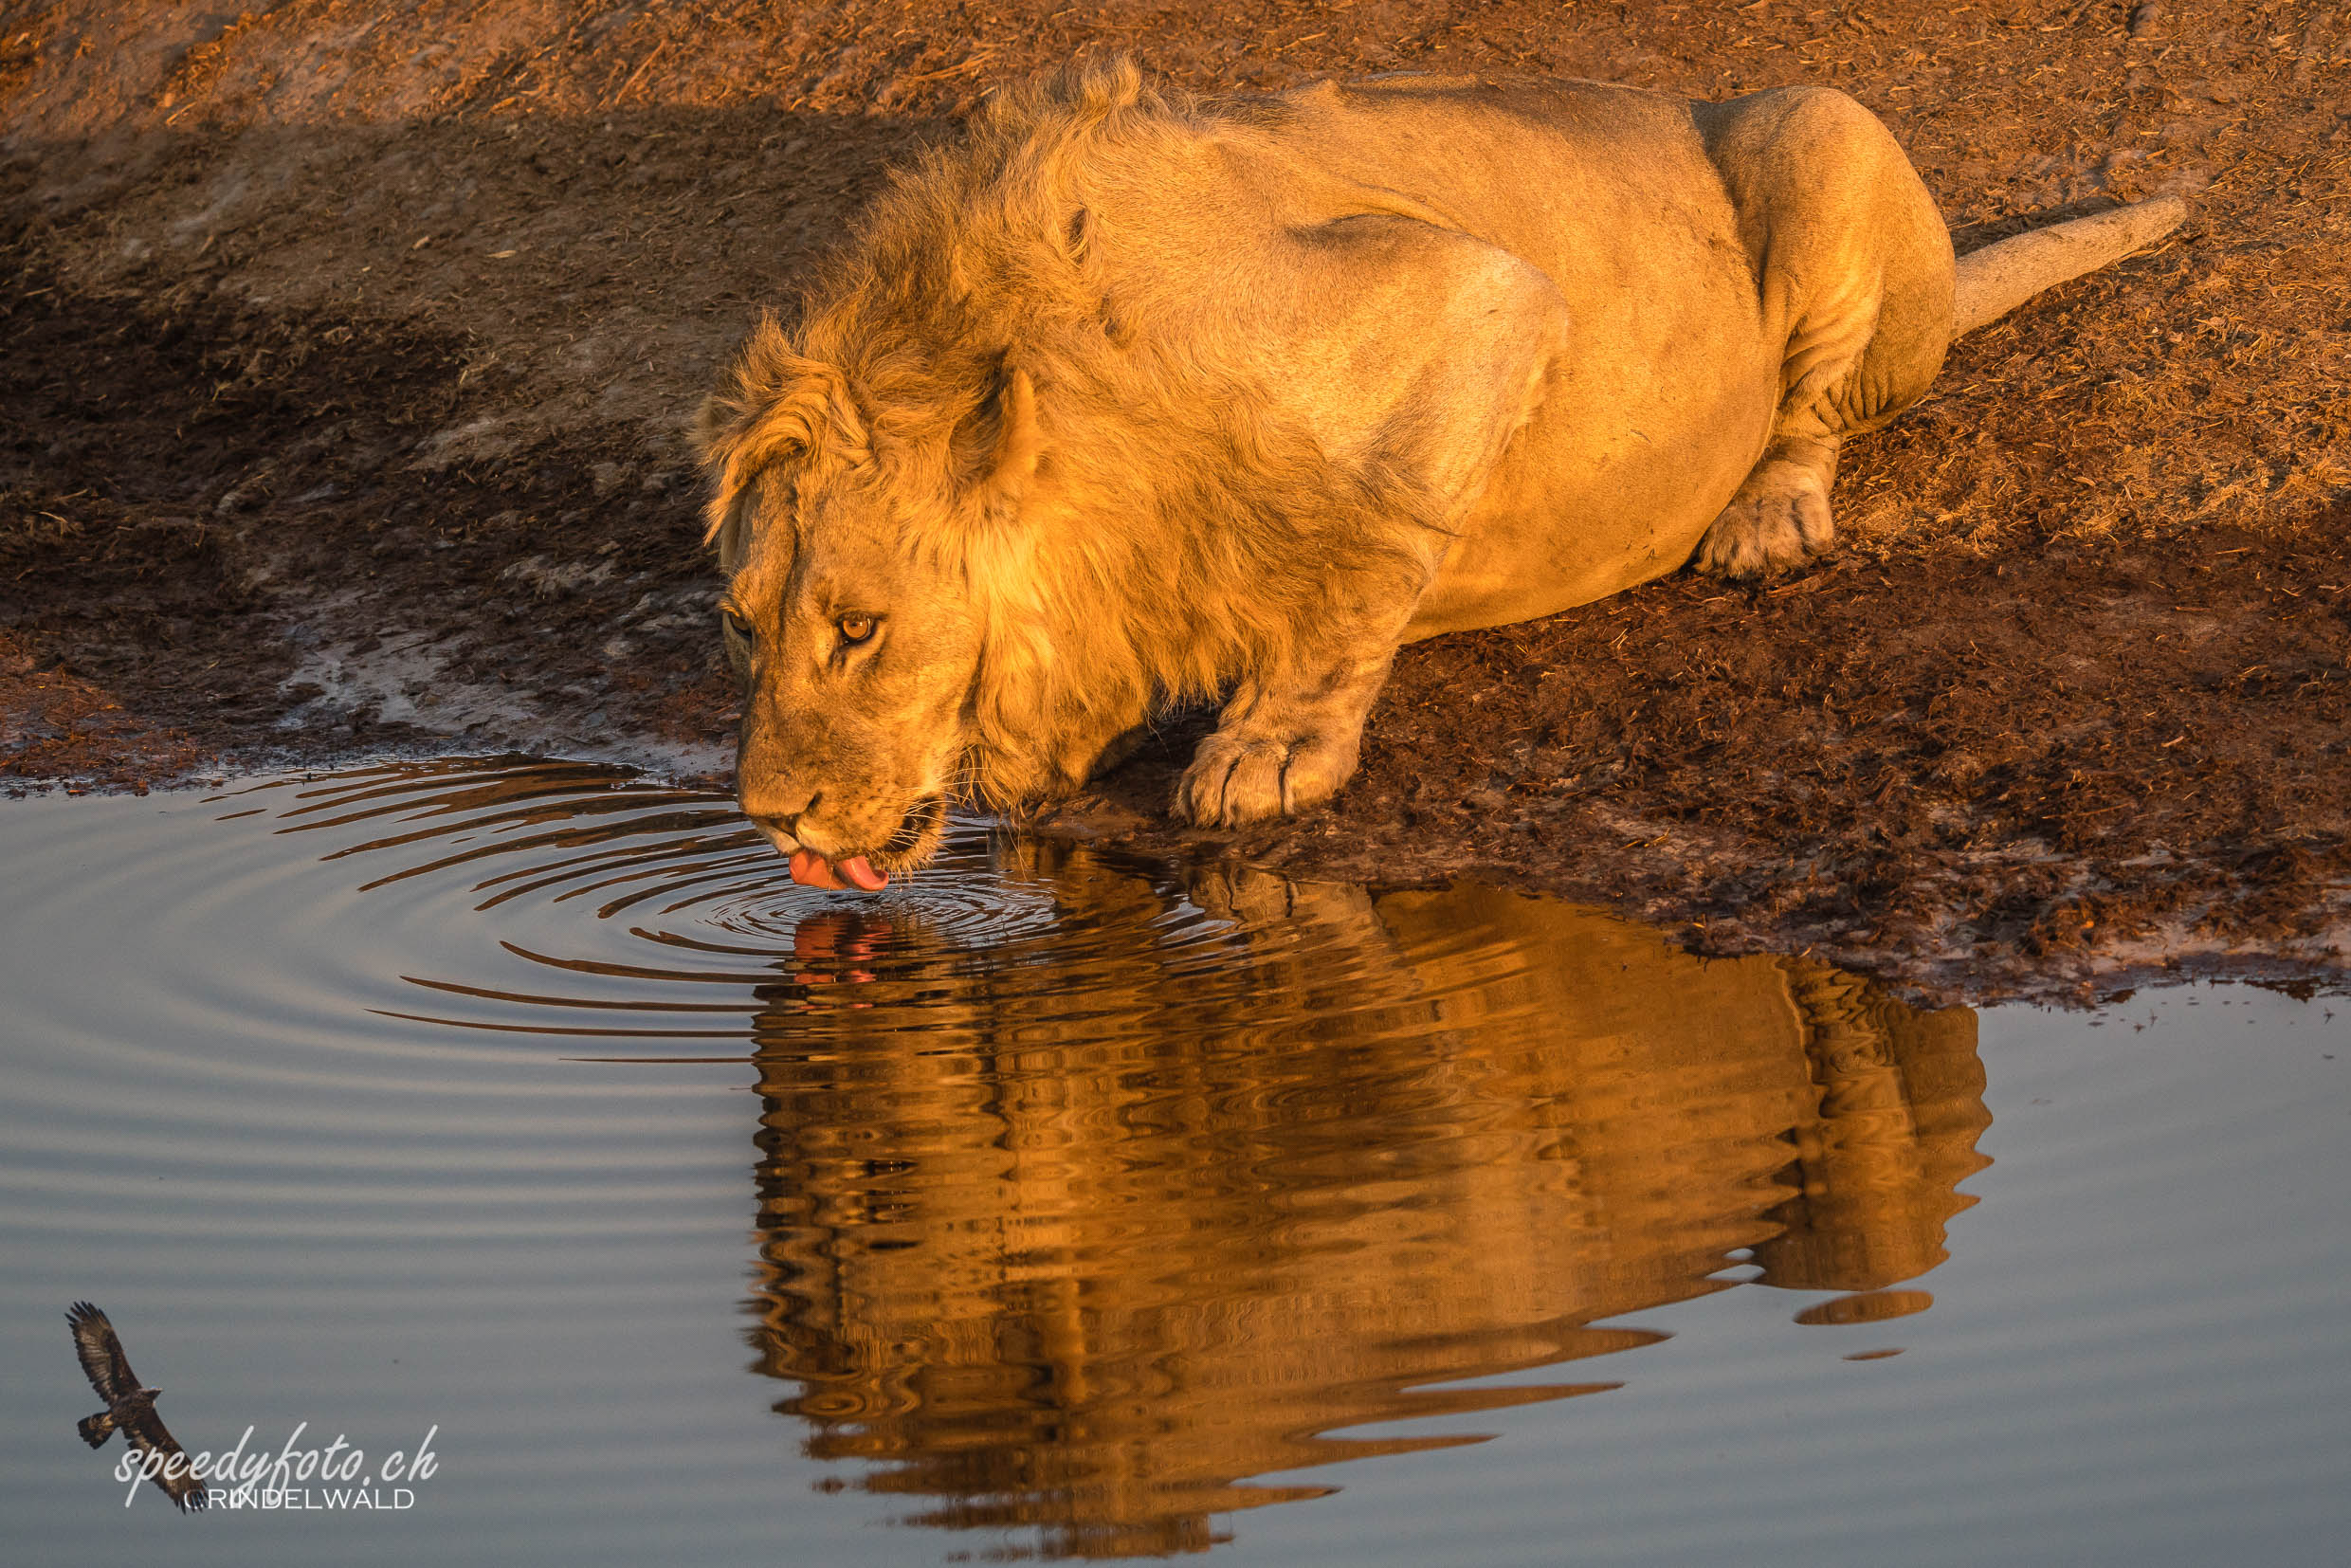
975,523
849,609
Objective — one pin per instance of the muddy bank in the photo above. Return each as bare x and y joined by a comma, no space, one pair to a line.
2034,770
347,364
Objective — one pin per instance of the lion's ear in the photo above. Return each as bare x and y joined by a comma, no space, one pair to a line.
727,519
714,429
716,433
1003,475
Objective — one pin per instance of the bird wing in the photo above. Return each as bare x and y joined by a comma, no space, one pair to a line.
100,1352
146,1432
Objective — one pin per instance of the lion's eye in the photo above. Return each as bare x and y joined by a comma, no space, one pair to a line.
854,628
735,623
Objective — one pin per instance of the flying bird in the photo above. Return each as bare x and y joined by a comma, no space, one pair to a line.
130,1404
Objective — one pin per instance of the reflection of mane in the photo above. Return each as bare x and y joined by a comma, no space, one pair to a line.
1089,1273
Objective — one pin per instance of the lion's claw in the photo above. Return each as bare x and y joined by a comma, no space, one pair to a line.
1234,780
1778,520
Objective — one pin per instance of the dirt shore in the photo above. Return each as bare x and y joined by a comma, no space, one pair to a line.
348,356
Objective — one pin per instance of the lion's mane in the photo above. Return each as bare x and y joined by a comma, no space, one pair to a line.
1193,538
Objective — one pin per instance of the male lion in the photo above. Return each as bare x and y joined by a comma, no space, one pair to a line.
1126,400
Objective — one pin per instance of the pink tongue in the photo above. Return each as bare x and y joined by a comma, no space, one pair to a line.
863,875
811,869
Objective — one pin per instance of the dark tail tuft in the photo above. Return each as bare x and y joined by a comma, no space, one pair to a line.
95,1429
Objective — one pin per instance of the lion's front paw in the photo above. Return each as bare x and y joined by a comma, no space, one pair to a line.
1235,779
1778,520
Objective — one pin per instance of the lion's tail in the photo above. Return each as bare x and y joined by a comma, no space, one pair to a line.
2001,277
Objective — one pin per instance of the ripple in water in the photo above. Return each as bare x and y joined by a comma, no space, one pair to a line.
670,907
671,910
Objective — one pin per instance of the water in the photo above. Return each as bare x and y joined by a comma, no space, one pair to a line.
1060,1203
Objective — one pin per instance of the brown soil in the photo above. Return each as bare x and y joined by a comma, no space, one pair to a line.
347,356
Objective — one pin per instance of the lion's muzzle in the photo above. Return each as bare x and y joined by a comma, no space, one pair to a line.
839,869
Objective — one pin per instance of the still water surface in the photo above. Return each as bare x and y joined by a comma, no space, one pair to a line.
1068,1204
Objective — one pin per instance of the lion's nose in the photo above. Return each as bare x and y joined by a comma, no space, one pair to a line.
780,832
778,812
779,807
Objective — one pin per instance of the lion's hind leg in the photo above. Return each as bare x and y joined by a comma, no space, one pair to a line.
1854,266
1834,387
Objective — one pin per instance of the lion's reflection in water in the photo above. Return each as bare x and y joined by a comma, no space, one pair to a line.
1104,1239
1089,1194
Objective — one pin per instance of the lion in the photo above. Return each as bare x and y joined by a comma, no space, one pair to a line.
1126,400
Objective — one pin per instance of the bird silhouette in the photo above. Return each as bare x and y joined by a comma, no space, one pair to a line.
130,1404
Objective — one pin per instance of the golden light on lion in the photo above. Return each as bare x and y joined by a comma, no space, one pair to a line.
1126,400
